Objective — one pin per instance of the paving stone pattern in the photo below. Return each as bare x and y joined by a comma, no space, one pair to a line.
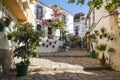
67,66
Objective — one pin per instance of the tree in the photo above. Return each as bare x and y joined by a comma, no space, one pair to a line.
110,6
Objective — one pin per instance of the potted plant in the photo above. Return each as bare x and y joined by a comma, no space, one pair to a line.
111,50
96,32
111,37
102,48
9,35
100,36
93,54
103,30
88,32
43,44
105,34
26,40
46,45
5,21
50,43
53,46
55,42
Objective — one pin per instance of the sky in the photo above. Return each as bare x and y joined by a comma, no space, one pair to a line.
72,8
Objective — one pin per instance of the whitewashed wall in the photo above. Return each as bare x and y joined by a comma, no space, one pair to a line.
82,28
69,23
50,49
47,11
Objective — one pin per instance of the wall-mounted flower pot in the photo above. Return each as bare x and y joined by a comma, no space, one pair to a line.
50,43
105,35
55,42
100,36
43,44
93,54
53,46
1,28
46,46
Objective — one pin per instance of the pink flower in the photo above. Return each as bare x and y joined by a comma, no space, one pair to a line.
43,21
53,15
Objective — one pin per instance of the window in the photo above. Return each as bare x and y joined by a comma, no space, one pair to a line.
63,17
39,27
76,30
39,14
50,33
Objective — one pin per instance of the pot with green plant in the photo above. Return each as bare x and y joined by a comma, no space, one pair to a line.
26,40
5,22
93,54
9,35
103,30
96,32
88,32
111,50
50,43
111,36
102,48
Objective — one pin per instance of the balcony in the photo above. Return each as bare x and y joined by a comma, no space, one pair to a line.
16,7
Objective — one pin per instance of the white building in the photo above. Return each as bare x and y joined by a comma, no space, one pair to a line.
79,25
43,11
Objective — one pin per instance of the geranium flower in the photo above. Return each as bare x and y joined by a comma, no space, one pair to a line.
43,21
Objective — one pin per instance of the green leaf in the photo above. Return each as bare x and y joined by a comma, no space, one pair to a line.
110,7
71,1
80,2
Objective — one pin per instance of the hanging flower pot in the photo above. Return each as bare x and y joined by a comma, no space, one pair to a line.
50,43
1,28
100,36
53,46
93,54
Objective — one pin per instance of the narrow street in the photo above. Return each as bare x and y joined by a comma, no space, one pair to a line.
70,65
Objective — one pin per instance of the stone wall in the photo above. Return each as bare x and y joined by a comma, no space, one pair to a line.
115,57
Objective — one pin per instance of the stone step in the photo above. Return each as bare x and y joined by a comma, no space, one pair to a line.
65,54
98,68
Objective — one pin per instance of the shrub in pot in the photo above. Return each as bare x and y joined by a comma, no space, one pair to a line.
102,48
26,40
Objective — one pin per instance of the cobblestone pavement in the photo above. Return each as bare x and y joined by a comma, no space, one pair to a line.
68,65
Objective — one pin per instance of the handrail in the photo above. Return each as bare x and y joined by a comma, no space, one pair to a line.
93,26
